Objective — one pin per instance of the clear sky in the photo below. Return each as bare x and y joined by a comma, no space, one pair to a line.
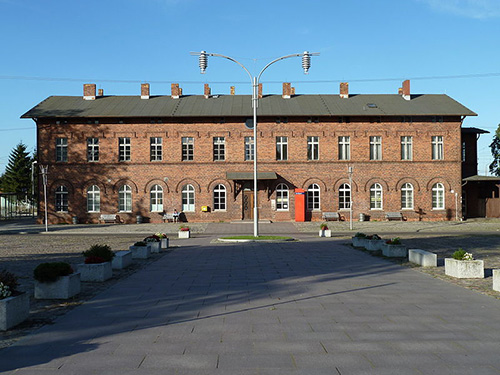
52,47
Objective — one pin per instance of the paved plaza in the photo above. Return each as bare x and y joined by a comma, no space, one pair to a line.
316,306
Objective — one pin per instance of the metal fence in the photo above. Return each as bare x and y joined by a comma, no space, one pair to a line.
11,207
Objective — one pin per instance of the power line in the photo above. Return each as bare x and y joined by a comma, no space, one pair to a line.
62,79
14,129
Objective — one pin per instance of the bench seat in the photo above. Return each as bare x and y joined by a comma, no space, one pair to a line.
335,216
109,218
394,216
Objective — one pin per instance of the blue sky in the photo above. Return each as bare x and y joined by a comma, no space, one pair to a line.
52,47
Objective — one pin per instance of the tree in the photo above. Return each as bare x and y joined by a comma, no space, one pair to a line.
495,152
17,176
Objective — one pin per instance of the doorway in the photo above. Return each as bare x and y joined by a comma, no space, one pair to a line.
248,202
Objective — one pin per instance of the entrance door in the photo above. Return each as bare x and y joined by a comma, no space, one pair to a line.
248,205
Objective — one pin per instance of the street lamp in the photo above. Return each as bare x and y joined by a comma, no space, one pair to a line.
306,64
44,170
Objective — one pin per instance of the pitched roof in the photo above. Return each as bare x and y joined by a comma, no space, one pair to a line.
240,105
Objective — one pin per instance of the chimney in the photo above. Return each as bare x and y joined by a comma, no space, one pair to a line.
293,91
344,90
144,90
287,90
100,92
89,91
259,91
232,90
176,92
406,90
400,91
206,92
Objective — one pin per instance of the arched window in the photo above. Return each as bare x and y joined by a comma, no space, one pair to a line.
344,197
220,198
313,197
282,197
62,199
93,199
407,196
125,199
156,195
376,197
188,198
438,196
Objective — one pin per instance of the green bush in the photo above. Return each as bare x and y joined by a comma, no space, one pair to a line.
101,251
140,243
9,280
50,272
360,235
461,254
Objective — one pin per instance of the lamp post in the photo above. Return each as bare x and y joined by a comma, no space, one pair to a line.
306,64
349,171
44,171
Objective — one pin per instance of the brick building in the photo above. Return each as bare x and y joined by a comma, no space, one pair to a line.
146,155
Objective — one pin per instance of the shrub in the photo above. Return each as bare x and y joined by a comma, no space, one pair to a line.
99,251
360,235
153,238
140,243
324,226
8,284
161,235
93,259
461,254
50,272
183,228
394,241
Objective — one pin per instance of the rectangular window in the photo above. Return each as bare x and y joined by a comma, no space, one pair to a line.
406,148
156,149
344,148
313,148
187,148
62,149
281,148
92,149
437,147
249,148
375,148
123,149
219,149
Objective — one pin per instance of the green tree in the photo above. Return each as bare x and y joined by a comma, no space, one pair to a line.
495,152
17,176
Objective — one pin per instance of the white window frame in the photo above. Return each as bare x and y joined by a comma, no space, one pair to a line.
61,197
124,149
313,147
156,198
92,149
344,148
437,147
62,149
94,199
281,148
376,197
220,198
125,198
344,197
219,148
187,148
155,149
313,197
188,198
282,197
249,148
438,196
407,196
406,147
375,147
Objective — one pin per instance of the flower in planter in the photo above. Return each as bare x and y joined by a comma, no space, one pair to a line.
50,272
98,254
140,243
461,254
394,241
324,226
153,238
184,229
161,235
360,235
8,285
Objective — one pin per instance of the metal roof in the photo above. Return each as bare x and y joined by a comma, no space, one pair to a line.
482,178
240,105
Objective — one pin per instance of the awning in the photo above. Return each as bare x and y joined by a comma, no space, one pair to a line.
249,176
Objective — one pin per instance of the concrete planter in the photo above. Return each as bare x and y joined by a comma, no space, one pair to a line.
373,245
164,243
325,233
464,269
394,251
64,287
140,252
14,310
184,234
422,257
358,241
95,272
496,280
121,260
154,247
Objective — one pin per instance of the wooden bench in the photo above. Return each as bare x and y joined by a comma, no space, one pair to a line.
394,216
168,218
331,216
108,218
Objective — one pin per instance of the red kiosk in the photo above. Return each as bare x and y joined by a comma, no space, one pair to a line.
300,205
